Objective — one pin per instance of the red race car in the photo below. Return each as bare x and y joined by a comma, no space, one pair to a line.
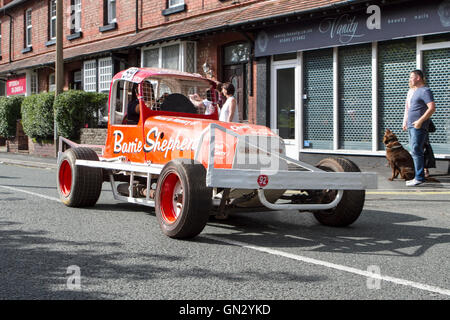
162,150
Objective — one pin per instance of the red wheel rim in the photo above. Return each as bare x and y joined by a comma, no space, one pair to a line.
65,178
171,197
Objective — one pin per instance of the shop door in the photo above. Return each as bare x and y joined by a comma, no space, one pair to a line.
283,106
235,74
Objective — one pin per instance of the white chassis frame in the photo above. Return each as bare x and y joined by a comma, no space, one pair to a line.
311,179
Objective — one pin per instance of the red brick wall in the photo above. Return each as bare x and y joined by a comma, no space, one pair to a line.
150,15
41,149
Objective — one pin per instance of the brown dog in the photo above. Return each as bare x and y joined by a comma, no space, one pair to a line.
399,159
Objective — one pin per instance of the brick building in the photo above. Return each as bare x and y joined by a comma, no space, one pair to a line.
330,75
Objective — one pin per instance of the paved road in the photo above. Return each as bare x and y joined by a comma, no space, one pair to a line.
120,252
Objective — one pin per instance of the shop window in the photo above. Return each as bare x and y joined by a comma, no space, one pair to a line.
396,59
355,97
436,65
318,99
181,56
90,76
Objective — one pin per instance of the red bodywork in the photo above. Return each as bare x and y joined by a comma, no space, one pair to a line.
161,136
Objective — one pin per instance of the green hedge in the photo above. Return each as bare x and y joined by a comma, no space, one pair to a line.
75,109
37,116
9,114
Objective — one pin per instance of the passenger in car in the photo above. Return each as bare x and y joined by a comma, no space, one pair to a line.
203,104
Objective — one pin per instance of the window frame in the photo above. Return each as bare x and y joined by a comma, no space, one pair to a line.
101,84
182,55
28,28
109,7
172,8
77,12
0,40
170,3
90,63
52,87
51,18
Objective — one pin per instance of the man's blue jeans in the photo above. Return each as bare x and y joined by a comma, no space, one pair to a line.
417,139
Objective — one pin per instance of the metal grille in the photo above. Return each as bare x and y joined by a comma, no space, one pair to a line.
318,105
396,59
437,71
355,97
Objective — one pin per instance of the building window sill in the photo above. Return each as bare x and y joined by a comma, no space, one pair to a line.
173,10
50,43
27,49
108,27
75,35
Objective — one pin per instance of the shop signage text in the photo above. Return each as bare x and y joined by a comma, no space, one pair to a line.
374,24
16,86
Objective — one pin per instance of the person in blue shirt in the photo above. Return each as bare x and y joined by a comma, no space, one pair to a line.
421,108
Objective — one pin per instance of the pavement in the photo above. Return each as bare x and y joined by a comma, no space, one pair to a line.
439,177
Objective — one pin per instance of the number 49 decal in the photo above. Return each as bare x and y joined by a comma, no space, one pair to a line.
263,180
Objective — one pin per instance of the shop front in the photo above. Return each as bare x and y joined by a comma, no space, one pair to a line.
338,82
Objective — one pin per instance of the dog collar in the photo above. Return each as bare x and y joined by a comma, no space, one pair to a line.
396,147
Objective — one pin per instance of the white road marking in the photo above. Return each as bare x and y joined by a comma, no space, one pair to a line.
31,193
335,266
296,257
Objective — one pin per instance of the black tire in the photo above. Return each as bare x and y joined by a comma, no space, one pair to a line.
350,207
196,199
79,186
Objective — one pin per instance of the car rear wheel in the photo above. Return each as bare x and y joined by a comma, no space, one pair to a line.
183,202
79,186
350,207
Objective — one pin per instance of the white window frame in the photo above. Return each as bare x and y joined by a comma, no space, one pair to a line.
52,33
175,3
105,69
0,38
111,4
28,28
89,74
77,15
181,56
